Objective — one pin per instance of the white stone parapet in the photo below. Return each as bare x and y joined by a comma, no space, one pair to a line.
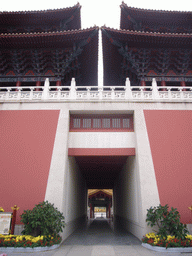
151,93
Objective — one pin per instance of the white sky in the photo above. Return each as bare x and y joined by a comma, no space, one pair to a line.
96,12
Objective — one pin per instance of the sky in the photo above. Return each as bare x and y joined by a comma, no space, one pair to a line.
96,12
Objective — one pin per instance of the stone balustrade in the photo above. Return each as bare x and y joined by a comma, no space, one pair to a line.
96,93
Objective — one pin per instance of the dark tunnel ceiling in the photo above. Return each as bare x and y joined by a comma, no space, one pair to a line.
100,171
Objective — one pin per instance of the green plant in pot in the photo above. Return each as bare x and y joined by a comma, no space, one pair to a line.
44,219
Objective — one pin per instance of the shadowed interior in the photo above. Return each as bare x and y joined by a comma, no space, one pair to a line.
100,171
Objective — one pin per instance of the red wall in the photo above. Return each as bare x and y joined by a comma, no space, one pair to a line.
26,145
170,137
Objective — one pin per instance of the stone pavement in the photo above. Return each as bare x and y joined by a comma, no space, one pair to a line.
99,238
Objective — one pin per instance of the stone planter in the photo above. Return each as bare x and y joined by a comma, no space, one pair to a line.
28,249
163,249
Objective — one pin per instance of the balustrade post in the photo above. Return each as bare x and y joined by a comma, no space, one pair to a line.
88,92
155,92
100,93
190,91
73,89
169,93
112,93
18,93
142,94
45,93
58,93
7,93
128,91
31,93
181,93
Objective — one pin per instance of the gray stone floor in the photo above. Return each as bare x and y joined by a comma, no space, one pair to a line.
99,238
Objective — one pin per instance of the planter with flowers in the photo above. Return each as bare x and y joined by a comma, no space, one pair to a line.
171,235
41,230
1,209
22,242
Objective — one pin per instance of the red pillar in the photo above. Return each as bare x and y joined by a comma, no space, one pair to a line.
143,83
18,84
38,83
183,84
163,83
58,83
15,208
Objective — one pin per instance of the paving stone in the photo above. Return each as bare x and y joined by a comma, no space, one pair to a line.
103,250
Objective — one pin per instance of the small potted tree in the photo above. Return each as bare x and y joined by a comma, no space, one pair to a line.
43,220
170,232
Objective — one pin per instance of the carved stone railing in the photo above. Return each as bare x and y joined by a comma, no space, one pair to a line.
94,93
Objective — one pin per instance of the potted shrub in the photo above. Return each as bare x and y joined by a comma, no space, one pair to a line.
170,231
43,220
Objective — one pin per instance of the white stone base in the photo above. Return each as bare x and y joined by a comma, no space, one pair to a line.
163,249
26,250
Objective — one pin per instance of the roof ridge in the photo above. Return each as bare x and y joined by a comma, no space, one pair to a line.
40,11
51,32
145,32
153,10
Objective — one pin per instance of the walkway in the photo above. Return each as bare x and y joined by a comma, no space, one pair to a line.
99,239
99,232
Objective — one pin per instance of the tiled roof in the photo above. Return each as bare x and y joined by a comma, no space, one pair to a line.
40,12
116,41
150,38
21,18
123,5
152,18
38,39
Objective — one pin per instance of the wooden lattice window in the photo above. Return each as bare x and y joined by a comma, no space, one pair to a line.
101,123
